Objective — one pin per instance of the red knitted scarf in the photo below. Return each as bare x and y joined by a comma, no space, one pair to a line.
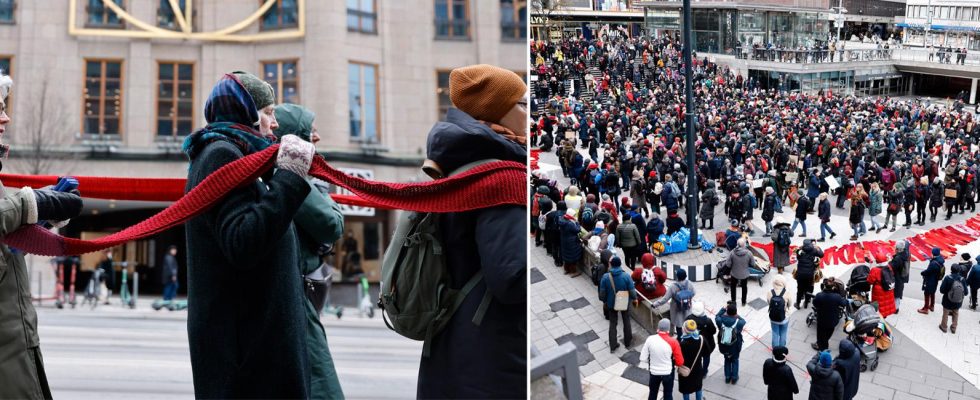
488,185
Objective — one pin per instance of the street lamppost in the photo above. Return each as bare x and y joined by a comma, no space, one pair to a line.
840,17
692,176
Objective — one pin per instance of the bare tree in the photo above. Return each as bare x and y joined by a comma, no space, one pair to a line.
43,134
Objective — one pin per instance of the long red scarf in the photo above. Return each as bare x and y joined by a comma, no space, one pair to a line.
488,185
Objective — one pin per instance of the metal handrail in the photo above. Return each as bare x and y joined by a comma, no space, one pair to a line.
813,56
561,361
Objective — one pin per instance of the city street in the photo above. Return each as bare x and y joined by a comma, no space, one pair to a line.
115,353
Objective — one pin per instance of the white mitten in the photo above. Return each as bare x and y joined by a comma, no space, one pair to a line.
295,155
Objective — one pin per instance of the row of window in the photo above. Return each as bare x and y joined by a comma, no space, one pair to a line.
945,12
102,95
452,17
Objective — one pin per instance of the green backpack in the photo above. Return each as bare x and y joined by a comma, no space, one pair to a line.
416,299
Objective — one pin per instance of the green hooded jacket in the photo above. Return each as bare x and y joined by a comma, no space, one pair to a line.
318,221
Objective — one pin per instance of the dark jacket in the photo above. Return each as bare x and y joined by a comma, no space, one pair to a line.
487,240
169,267
655,228
571,246
246,241
780,255
823,210
768,208
930,276
848,365
707,329
722,320
707,201
828,306
825,382
807,260
779,380
622,280
973,278
801,206
674,224
693,350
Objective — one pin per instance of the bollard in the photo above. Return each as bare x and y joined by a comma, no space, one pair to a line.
136,287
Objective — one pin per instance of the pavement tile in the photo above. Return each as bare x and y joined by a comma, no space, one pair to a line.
559,305
617,384
637,390
537,276
578,303
637,374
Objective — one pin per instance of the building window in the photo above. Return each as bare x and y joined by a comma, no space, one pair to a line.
452,19
166,17
284,78
175,99
513,19
7,11
102,97
101,16
362,95
362,16
284,14
442,91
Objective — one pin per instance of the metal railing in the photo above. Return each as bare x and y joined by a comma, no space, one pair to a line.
813,56
936,56
563,362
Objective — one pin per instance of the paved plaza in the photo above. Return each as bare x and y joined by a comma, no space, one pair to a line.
922,363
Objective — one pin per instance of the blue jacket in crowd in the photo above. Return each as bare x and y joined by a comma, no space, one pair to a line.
623,282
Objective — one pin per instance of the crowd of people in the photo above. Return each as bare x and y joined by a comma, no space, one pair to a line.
612,111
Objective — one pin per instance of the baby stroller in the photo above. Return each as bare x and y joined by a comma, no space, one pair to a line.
858,288
868,331
762,265
835,286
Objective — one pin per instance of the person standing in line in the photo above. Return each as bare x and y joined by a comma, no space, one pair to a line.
807,262
781,239
900,265
170,274
571,245
825,383
616,280
848,365
778,308
973,279
954,291
660,354
693,347
629,239
828,304
778,377
730,326
319,222
884,296
707,330
930,280
22,374
680,294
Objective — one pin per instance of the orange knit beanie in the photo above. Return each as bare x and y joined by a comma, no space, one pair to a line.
485,92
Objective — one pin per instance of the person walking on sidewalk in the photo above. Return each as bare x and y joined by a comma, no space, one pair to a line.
613,282
954,291
801,210
930,280
778,308
707,330
680,294
660,354
170,274
693,347
823,212
778,377
730,326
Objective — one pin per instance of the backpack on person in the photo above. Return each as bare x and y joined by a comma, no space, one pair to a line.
588,216
783,237
727,334
596,274
752,199
887,279
957,292
416,299
649,280
777,306
682,297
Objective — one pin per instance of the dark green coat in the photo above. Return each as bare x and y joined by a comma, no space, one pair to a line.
21,368
246,321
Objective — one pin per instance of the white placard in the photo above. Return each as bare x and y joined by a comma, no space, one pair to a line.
832,182
757,183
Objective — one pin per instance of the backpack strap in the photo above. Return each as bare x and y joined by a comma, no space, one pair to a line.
457,301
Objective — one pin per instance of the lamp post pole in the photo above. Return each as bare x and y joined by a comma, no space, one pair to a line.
692,176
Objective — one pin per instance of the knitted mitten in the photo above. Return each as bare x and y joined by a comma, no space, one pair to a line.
295,155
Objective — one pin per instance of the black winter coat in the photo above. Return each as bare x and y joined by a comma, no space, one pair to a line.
692,359
848,365
825,383
806,261
466,360
768,208
823,210
801,206
251,345
779,380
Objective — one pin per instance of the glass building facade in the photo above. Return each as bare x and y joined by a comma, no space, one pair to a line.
722,31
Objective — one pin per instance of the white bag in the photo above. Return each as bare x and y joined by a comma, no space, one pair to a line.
622,296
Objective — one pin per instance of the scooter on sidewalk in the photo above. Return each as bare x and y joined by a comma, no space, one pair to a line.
365,306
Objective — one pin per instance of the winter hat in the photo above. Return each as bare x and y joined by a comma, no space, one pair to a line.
690,326
697,309
966,256
681,274
825,358
485,92
935,252
779,353
663,325
543,189
731,310
294,120
261,91
615,262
